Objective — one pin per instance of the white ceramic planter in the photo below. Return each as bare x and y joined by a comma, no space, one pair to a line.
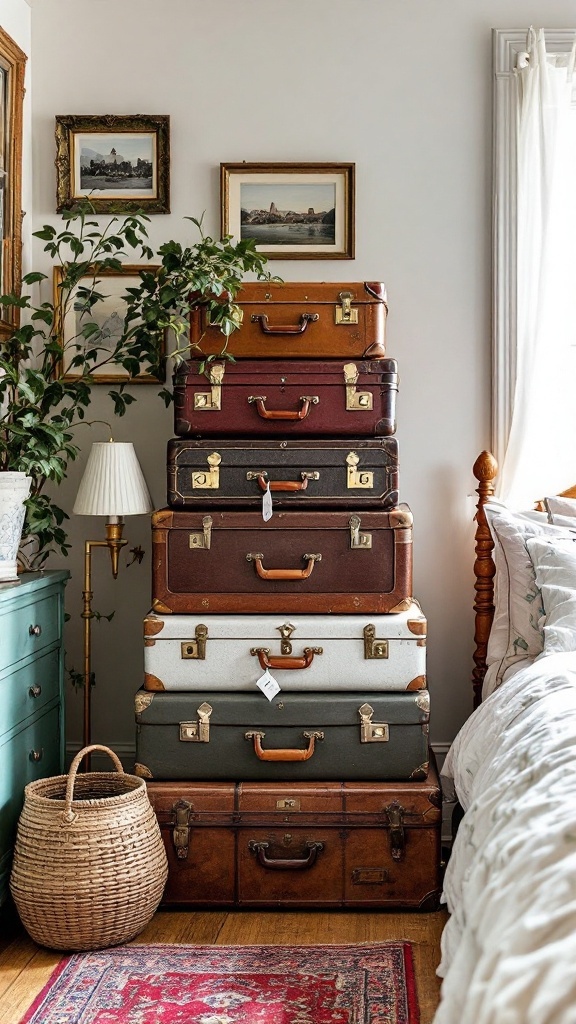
14,489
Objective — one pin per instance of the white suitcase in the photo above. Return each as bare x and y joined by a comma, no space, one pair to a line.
308,652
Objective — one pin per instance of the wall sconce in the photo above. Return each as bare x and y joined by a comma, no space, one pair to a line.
113,485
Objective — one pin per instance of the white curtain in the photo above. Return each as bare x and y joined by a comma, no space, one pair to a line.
540,457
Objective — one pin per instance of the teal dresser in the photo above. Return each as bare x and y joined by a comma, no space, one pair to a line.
31,695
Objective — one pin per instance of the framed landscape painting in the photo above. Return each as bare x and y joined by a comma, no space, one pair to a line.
121,164
293,211
12,70
108,314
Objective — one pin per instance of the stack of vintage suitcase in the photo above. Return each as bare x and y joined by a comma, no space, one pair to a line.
283,723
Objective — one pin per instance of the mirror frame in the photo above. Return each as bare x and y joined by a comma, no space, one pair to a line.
13,63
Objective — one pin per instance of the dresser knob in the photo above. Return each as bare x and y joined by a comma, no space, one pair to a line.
37,755
35,691
35,630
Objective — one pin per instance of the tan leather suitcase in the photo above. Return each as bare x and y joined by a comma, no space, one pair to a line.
309,845
304,561
302,319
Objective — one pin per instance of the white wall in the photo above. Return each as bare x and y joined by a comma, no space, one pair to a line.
15,19
401,87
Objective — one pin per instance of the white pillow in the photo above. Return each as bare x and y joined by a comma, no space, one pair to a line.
560,506
555,567
516,632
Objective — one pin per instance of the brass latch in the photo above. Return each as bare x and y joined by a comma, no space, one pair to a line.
395,814
181,831
211,401
358,539
195,648
208,479
355,400
204,539
286,632
344,314
374,648
372,732
197,732
288,804
355,477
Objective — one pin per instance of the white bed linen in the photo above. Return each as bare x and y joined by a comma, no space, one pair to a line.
509,947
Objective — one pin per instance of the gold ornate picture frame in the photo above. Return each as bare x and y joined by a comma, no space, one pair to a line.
120,163
12,71
294,211
108,313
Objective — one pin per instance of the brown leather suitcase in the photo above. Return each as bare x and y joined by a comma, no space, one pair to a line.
296,562
301,319
309,845
301,473
299,397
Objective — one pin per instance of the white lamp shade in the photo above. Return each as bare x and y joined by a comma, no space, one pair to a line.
113,483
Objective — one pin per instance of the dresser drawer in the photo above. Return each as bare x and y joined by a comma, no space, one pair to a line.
29,689
40,738
29,628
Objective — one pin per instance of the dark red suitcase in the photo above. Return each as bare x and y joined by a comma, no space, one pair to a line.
300,473
310,845
297,320
287,398
296,562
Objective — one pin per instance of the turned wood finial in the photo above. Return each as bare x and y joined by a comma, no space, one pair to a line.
485,469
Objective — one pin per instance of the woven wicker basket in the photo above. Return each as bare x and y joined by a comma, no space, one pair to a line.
89,862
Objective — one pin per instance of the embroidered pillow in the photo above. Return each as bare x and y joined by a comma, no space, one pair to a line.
554,563
516,632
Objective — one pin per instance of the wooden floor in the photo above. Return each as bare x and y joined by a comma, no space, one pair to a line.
25,967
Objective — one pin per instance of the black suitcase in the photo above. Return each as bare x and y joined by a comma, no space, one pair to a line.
295,736
224,473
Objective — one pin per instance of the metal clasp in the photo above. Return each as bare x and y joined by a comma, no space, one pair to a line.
211,401
357,539
286,632
372,732
197,732
374,648
210,479
204,539
195,648
344,314
395,814
181,831
356,401
356,478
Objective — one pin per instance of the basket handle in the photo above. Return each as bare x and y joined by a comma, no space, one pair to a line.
68,815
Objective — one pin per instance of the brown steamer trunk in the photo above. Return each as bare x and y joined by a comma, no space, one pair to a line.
310,845
302,319
296,562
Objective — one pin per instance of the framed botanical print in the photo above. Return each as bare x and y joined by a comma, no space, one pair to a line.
12,69
108,314
293,211
121,164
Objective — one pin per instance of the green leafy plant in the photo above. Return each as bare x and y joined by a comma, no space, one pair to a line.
208,273
40,410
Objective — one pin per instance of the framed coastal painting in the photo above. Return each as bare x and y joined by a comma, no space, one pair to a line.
12,70
293,211
108,314
120,163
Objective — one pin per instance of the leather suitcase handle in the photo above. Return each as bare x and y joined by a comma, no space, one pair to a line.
282,574
282,864
285,485
284,414
305,319
281,753
285,660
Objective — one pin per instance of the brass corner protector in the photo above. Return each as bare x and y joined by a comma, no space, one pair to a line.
142,701
153,625
153,683
142,771
418,683
423,701
158,606
401,517
417,626
421,772
162,518
402,606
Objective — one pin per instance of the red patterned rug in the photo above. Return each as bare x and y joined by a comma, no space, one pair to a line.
360,984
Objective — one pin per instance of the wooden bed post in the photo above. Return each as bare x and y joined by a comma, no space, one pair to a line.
485,470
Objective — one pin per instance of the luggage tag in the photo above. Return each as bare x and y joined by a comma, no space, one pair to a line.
268,685
267,504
